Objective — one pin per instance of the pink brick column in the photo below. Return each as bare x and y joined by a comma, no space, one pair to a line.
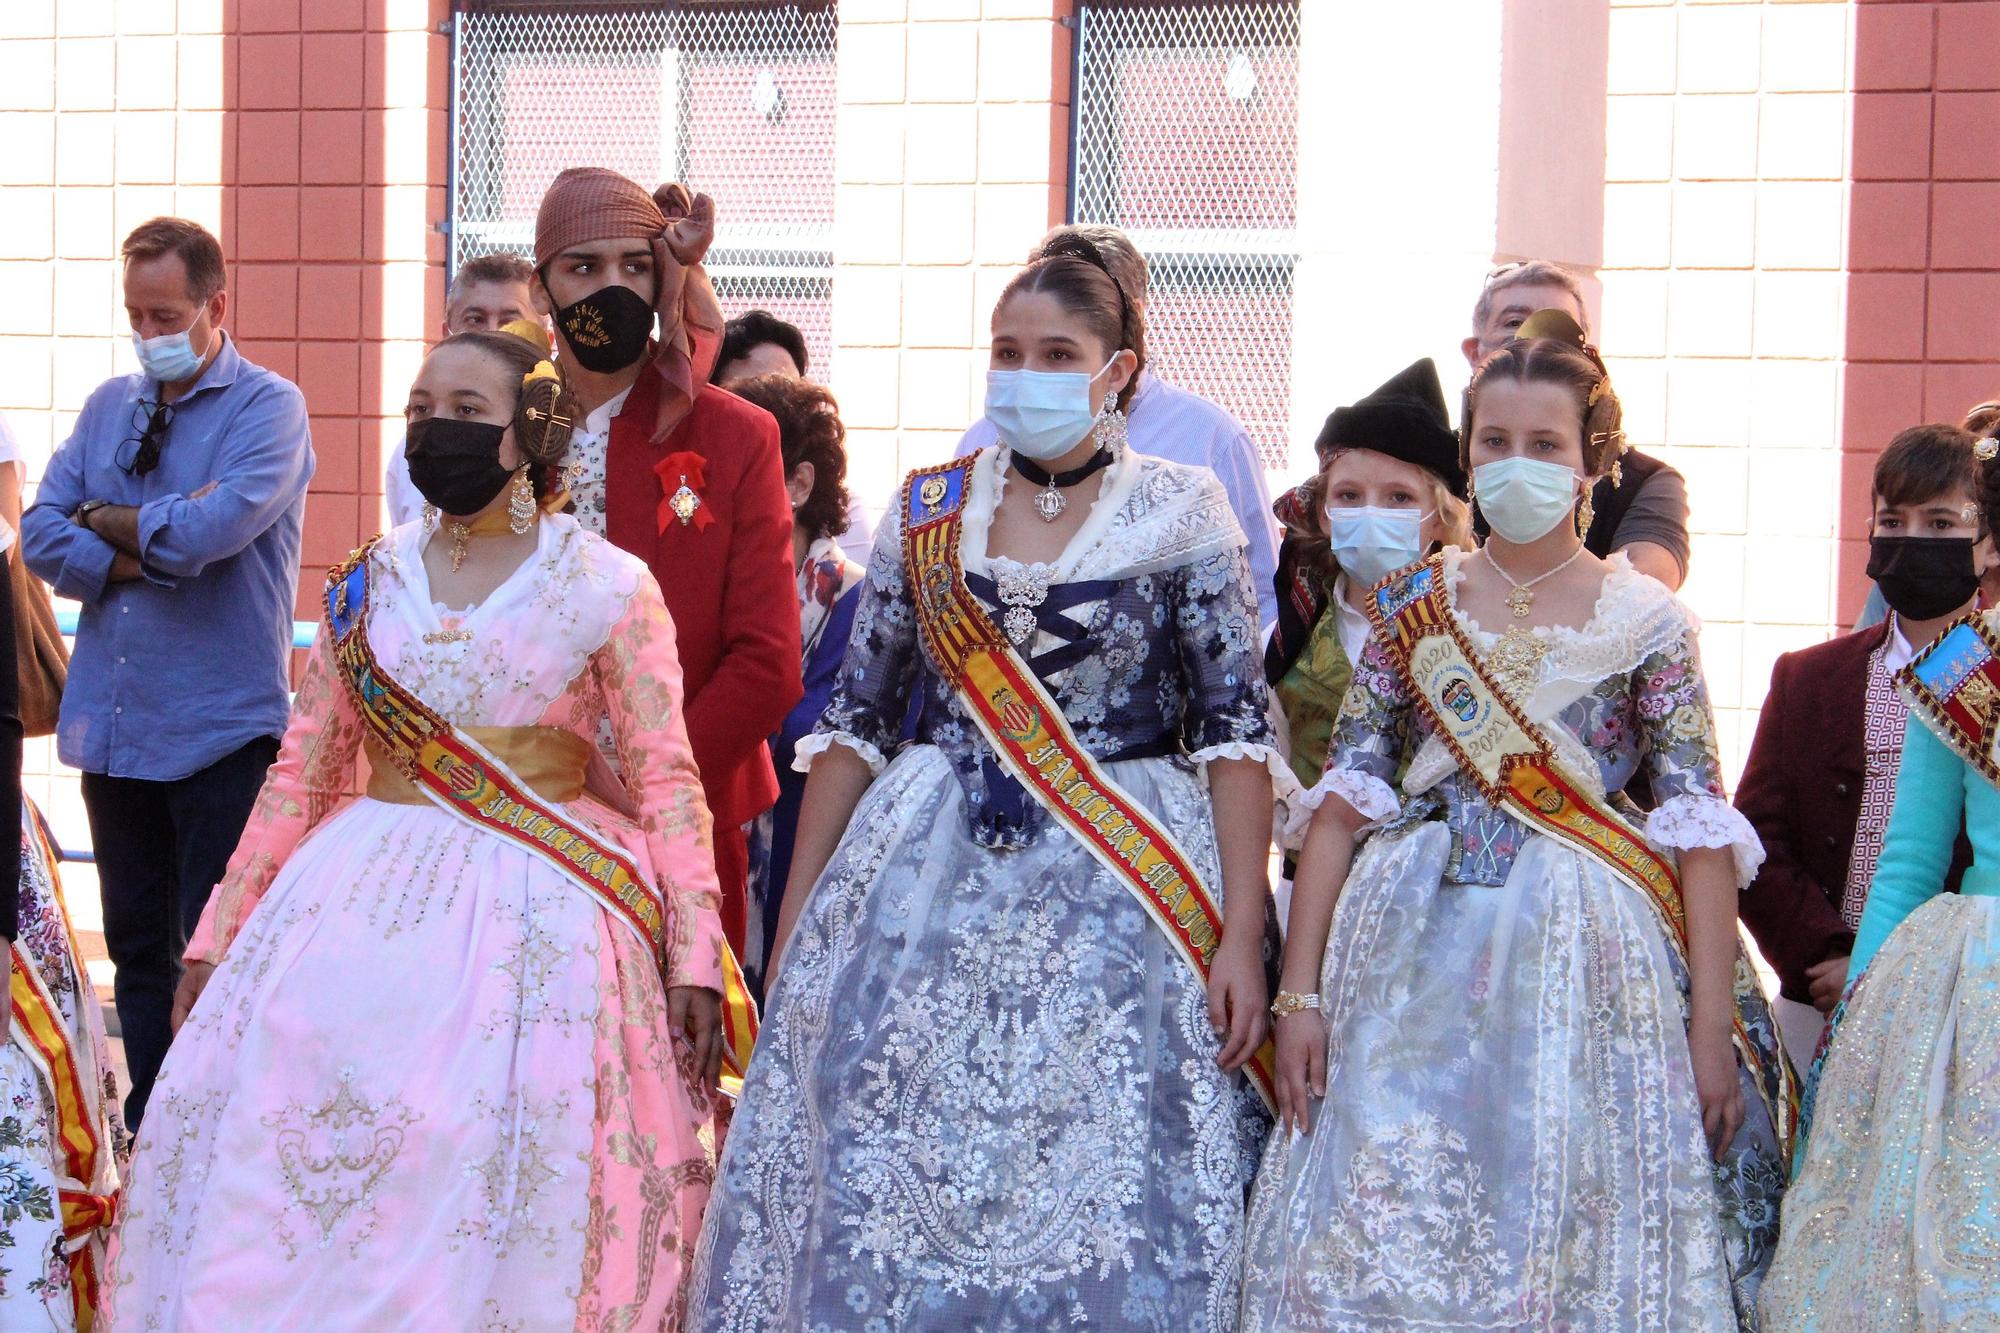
1923,304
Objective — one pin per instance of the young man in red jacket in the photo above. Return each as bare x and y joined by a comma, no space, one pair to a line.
1822,769
686,476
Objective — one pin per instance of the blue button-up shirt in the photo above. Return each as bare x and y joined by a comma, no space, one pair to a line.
176,669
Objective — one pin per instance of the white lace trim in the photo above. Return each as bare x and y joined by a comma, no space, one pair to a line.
811,747
1373,799
1635,616
1682,822
1151,515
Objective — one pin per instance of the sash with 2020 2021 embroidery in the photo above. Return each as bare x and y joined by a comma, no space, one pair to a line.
1954,687
1033,741
465,779
1516,767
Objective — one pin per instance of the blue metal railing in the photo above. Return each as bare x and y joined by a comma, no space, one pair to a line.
66,617
302,630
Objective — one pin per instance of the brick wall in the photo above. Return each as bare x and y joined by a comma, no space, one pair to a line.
1725,235
308,134
1923,304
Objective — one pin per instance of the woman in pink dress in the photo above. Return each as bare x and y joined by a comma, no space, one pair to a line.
434,1078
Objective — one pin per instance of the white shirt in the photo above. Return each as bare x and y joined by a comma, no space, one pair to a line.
1352,625
1181,427
1900,652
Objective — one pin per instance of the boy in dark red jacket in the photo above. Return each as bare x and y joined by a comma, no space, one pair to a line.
686,476
1822,770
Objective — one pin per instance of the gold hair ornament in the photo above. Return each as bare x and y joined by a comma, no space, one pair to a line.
1986,449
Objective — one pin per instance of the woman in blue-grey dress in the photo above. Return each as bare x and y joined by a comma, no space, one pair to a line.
989,1092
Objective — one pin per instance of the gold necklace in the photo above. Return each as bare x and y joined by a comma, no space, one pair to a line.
493,521
1519,600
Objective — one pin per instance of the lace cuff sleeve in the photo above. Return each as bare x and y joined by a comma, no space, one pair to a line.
1373,799
812,746
1683,822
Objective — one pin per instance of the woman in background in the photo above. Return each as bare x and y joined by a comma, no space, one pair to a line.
814,446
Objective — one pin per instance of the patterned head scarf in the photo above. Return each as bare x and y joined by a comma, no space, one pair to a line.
588,204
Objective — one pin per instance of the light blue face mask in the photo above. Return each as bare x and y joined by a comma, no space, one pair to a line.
1524,498
1040,414
1372,543
171,358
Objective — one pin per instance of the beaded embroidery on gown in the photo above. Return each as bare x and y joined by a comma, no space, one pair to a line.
1511,1137
431,1083
986,1093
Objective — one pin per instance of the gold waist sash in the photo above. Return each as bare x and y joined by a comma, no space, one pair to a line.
550,760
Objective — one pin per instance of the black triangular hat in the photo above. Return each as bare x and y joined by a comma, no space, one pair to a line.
1405,419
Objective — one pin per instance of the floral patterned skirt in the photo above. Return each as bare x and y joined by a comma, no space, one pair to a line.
1511,1136
431,1086
35,1284
1892,1221
985,1095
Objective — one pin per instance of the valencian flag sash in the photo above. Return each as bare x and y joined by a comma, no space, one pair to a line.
1954,686
86,1187
1515,766
464,778
1028,732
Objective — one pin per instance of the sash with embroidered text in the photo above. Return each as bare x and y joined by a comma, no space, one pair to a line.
1027,730
466,779
1516,767
1954,686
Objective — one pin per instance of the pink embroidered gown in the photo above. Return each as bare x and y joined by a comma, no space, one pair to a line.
431,1084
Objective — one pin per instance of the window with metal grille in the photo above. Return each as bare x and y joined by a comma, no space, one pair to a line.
735,99
1186,137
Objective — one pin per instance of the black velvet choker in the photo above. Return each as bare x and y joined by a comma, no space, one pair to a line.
1049,502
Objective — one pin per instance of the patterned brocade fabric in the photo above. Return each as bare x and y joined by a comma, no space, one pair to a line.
1887,712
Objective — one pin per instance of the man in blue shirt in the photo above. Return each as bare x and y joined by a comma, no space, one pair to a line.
173,514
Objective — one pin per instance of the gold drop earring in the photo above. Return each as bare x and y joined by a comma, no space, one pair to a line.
521,504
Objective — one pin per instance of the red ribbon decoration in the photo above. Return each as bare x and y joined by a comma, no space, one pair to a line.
681,468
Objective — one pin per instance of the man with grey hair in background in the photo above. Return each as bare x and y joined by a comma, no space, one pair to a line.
1181,427
1645,514
487,292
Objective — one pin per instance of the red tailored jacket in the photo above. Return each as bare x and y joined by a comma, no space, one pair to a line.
1801,789
728,583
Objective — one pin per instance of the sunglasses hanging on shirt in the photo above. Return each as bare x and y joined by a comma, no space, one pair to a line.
139,453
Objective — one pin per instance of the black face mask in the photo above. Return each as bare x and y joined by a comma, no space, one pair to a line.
1922,578
456,464
607,330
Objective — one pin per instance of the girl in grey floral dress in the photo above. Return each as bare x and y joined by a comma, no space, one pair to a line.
988,1093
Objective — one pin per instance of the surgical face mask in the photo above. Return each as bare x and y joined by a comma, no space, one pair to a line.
171,358
1524,498
1922,578
1040,414
1372,543
455,464
607,330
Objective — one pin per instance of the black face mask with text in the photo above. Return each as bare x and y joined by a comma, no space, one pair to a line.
1922,578
456,464
607,330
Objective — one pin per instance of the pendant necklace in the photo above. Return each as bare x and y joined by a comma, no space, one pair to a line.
1049,501
1522,598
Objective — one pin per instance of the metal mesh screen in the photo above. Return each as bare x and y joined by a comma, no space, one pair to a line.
735,99
1187,139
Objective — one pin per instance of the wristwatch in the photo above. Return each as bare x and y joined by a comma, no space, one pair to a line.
1292,1002
82,513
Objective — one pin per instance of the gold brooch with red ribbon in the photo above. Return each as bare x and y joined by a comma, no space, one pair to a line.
682,475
